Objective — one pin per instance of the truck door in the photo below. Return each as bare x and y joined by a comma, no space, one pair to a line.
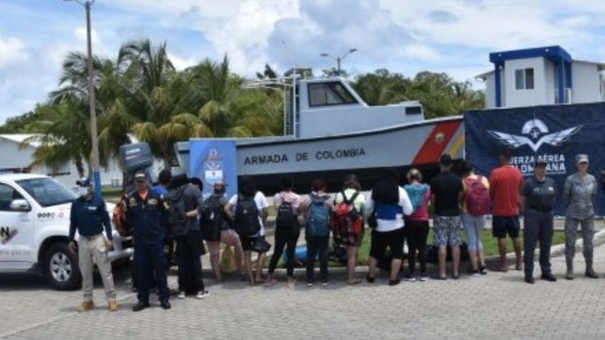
16,231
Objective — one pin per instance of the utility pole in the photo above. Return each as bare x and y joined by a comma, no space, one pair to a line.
338,59
94,159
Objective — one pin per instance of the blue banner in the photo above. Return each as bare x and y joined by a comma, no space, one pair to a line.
213,160
554,133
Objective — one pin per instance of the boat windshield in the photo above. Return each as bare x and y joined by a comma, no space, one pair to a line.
47,191
330,93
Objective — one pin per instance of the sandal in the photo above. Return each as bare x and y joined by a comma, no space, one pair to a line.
354,282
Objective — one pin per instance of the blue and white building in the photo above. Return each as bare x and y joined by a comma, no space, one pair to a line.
542,76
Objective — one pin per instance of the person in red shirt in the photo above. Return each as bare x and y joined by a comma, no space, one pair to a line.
505,184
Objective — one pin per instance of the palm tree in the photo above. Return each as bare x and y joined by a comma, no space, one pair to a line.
232,111
65,137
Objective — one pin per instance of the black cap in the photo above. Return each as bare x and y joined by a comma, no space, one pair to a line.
445,160
140,176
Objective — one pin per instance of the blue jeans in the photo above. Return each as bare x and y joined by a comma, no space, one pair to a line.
473,225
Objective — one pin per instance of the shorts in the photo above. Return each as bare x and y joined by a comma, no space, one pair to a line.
247,242
381,240
355,240
502,225
446,231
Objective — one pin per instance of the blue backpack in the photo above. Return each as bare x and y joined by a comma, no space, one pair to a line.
318,223
416,194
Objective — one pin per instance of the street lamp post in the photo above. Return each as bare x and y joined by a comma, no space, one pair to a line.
91,101
339,59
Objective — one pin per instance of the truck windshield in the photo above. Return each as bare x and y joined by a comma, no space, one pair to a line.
47,191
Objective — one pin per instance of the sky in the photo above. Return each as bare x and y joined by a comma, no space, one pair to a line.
403,36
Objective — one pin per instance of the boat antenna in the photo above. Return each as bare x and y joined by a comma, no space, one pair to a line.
294,72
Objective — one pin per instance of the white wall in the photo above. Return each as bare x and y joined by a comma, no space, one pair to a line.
585,83
490,90
12,157
518,98
551,84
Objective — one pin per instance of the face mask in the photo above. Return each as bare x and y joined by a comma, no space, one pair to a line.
83,191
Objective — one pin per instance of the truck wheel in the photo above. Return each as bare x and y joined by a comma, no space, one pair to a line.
61,267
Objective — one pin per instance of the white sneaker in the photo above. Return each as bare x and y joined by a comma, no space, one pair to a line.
202,294
181,295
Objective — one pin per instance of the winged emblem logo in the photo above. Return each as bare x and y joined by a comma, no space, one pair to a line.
535,134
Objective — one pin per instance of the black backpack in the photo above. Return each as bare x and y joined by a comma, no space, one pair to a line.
177,218
285,218
211,218
246,216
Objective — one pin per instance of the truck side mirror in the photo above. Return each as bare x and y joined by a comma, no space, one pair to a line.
20,205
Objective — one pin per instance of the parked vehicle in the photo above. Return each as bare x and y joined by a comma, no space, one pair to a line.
34,230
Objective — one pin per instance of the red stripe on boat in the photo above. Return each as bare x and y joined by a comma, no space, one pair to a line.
436,142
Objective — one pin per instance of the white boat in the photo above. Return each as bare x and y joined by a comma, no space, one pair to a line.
332,132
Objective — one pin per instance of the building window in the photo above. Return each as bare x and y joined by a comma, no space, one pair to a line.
524,79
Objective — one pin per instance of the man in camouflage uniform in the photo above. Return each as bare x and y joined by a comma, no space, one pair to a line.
579,194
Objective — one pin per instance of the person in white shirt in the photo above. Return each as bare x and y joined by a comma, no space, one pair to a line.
247,189
389,202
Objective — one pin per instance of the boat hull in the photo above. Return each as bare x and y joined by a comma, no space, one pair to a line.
333,157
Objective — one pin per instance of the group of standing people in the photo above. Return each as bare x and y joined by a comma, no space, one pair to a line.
394,213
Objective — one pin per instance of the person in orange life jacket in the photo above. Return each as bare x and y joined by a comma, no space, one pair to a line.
538,195
285,235
390,203
146,211
416,228
350,187
90,218
473,225
189,246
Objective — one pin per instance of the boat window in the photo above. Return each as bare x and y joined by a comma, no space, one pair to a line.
325,94
413,110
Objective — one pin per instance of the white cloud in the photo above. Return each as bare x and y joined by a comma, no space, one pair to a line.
12,51
452,36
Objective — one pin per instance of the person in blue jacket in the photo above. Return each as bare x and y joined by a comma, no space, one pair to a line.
90,219
146,212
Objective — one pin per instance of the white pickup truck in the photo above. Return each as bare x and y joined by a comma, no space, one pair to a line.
34,228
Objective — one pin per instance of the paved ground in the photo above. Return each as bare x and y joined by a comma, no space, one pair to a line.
495,306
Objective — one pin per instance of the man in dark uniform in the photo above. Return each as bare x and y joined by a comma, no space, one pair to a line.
538,198
146,211
90,219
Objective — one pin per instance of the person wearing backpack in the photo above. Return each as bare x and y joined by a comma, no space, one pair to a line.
248,211
287,230
216,230
475,206
351,196
189,240
390,203
317,208
417,224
